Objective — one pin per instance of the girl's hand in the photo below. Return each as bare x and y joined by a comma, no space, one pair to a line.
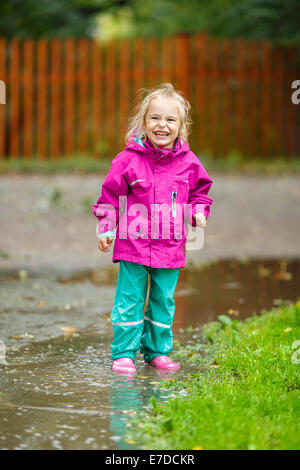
104,243
200,219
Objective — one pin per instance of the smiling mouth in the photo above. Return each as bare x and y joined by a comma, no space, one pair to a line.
162,134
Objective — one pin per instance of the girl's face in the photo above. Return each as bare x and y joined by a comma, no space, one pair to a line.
162,122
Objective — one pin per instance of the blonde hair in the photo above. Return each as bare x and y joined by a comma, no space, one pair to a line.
136,125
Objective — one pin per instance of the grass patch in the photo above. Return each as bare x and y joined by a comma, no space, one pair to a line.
234,163
74,164
244,395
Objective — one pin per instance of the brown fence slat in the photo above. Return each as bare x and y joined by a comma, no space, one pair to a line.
3,105
182,64
239,111
266,98
14,98
253,104
83,117
227,94
110,105
291,107
97,86
278,83
69,97
42,98
28,98
55,108
201,94
124,89
212,101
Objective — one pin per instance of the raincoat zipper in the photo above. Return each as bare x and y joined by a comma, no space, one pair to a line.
174,195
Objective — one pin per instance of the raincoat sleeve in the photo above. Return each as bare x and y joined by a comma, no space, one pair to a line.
112,198
200,184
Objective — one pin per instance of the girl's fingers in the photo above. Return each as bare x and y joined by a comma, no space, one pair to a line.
200,220
104,243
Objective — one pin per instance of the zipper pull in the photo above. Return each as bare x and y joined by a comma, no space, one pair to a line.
174,194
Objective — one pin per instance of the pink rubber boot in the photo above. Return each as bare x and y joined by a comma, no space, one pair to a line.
125,365
163,362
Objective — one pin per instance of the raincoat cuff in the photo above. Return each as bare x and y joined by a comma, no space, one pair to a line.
108,234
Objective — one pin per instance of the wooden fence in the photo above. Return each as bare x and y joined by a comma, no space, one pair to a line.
75,96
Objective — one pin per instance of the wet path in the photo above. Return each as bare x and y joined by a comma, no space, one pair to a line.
57,390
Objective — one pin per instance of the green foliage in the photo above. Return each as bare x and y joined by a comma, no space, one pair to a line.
56,19
275,20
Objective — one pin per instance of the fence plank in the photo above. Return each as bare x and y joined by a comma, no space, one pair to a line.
28,99
56,121
278,102
152,55
124,89
291,114
239,112
14,98
213,95
41,98
201,93
182,64
110,102
227,95
266,98
97,86
83,118
69,95
253,105
239,91
3,106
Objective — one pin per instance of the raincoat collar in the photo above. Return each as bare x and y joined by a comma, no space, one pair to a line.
145,146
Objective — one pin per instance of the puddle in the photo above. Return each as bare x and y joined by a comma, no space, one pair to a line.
57,388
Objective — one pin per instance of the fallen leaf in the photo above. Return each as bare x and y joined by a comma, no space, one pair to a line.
283,276
26,335
232,311
22,274
198,448
68,330
41,303
263,271
129,441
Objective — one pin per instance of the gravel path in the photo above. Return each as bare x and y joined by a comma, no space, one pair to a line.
46,221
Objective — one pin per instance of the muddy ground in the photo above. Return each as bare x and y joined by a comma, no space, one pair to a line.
47,224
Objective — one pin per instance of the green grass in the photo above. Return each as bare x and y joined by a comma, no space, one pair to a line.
244,395
74,164
234,163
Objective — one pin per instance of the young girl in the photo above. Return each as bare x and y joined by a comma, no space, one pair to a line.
156,174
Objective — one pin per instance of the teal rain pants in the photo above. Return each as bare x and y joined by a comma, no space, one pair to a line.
152,333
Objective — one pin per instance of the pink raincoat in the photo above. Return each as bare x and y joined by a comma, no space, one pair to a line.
149,195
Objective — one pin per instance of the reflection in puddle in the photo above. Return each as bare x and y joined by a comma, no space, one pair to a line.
60,393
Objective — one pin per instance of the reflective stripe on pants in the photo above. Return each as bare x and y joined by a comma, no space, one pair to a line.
152,333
